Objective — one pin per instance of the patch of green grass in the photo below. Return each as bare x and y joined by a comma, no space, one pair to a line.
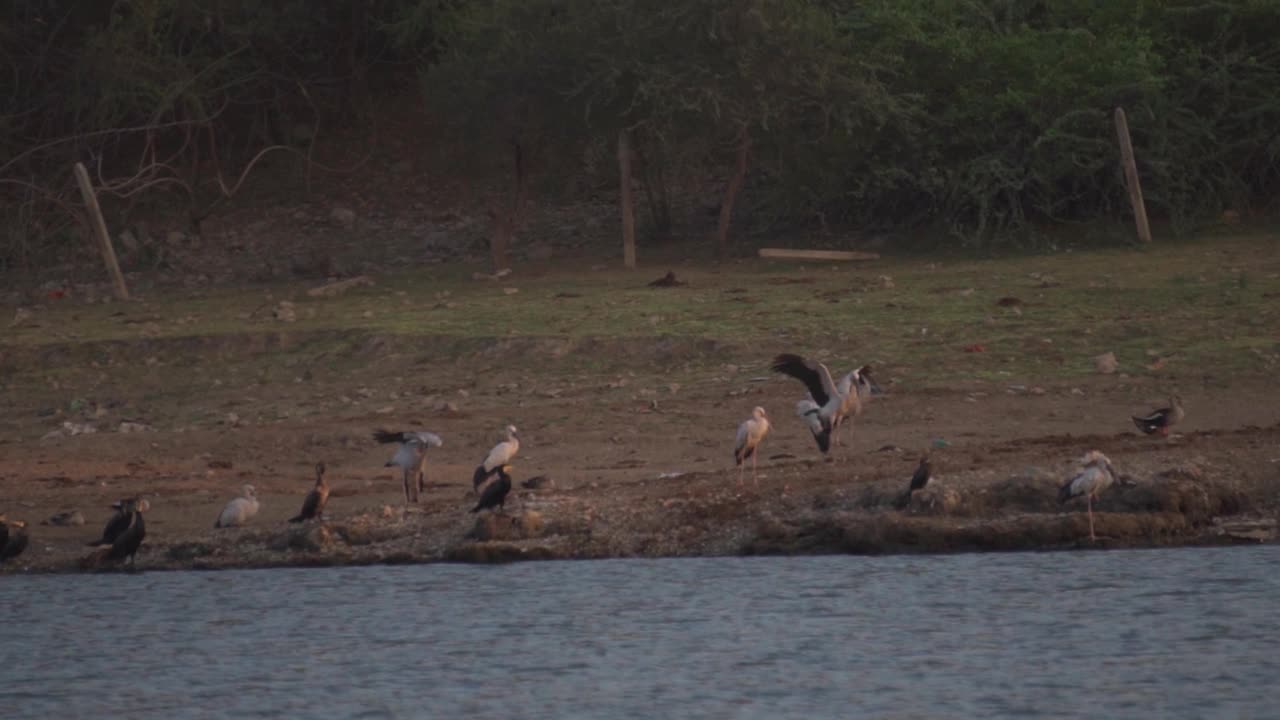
1201,304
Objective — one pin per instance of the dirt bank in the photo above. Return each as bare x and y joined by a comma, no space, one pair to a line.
1203,488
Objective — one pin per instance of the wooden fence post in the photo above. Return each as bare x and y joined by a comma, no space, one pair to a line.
628,203
100,231
1131,177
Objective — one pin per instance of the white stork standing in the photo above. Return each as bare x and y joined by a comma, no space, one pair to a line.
410,457
240,510
1096,475
750,434
501,454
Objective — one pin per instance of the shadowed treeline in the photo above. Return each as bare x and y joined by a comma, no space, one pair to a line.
983,121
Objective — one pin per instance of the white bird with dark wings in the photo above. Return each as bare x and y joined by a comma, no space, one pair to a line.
501,454
410,457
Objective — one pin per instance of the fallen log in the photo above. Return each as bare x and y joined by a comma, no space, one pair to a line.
788,254
341,286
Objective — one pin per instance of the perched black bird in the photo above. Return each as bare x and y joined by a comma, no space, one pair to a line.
13,538
495,493
127,542
313,506
921,476
116,525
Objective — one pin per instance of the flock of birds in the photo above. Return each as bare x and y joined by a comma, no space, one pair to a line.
125,530
828,405
831,404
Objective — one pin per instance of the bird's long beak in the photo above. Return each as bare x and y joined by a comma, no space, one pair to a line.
875,388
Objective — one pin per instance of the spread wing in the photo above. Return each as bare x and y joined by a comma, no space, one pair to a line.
814,375
386,436
428,439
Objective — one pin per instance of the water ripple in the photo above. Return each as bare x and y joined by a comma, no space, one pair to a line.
1134,634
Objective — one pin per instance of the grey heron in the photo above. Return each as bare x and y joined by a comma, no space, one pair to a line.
827,406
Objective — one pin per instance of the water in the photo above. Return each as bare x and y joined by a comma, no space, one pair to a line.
1169,633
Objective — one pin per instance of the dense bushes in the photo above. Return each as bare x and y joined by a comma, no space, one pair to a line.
987,118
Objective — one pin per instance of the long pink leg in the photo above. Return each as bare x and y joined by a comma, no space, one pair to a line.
1089,500
754,477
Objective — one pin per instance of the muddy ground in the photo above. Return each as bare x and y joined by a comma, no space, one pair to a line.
638,447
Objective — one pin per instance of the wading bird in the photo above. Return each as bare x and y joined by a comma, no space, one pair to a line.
1096,476
240,510
410,457
500,455
495,494
1161,419
313,506
750,434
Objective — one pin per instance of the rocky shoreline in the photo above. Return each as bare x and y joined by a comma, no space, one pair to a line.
705,515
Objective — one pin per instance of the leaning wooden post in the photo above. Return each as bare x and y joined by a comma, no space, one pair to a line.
628,202
1131,177
100,231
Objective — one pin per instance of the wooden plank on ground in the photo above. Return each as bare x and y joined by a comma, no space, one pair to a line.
339,287
789,254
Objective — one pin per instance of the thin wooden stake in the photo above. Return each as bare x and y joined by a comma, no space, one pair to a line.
100,231
731,194
628,202
1131,177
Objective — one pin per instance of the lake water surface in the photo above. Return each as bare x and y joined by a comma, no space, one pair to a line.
1185,633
